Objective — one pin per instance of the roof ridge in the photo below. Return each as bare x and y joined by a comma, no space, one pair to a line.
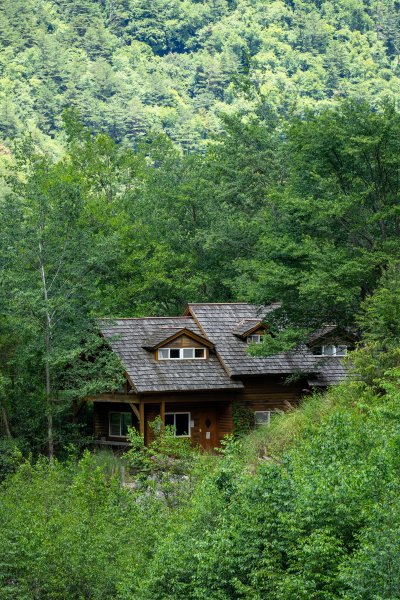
142,318
214,303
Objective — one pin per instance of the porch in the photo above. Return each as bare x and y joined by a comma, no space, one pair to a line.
204,422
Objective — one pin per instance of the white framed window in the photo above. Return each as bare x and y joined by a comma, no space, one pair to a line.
119,423
255,338
181,353
330,350
262,417
181,423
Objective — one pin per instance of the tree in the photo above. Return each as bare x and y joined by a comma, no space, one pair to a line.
53,260
332,224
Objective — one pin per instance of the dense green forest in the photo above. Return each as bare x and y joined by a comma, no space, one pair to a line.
154,153
304,211
137,66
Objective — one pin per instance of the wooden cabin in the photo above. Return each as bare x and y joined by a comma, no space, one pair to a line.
195,371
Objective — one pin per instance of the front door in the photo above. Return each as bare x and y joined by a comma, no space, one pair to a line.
208,429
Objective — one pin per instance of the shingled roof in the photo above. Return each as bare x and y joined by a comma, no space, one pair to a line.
218,325
332,331
247,326
219,322
126,338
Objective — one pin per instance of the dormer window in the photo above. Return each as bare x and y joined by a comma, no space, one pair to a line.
181,353
255,338
330,350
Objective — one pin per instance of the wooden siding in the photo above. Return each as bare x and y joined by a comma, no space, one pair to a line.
183,341
259,394
113,397
223,411
197,405
269,394
225,420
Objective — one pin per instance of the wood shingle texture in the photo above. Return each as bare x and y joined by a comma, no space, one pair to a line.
221,324
221,327
127,338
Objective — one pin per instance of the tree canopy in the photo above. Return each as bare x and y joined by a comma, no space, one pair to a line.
132,67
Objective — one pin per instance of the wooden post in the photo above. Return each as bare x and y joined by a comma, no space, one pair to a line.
162,413
135,411
141,420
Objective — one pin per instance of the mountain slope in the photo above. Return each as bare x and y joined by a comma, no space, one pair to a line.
138,66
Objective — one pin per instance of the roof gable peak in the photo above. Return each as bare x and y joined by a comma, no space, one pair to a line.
246,327
167,334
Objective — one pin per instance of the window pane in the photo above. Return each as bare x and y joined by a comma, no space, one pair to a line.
341,350
255,338
115,424
163,353
188,353
317,350
261,417
169,419
181,424
126,421
199,353
329,350
174,353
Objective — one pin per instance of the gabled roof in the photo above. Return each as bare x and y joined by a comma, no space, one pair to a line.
126,338
219,321
166,334
223,326
332,331
246,327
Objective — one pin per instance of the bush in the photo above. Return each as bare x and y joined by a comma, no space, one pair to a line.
11,456
166,465
69,531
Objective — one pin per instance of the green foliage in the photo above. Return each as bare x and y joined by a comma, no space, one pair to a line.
298,526
270,190
307,507
71,532
331,229
137,66
11,456
378,358
304,213
167,465
243,419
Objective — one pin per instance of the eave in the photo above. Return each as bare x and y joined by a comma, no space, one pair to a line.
184,331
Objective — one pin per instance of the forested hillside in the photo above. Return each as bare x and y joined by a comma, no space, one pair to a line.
160,152
137,66
305,212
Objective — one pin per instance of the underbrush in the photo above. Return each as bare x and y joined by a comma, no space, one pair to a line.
301,509
306,508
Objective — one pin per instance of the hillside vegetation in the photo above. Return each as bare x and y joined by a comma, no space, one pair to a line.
137,66
307,507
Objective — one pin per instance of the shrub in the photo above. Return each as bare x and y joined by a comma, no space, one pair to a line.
11,456
166,465
69,531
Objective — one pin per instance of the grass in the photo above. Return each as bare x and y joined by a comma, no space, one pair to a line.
268,442
109,462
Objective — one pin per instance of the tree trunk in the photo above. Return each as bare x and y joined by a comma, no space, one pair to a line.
47,336
4,417
50,433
